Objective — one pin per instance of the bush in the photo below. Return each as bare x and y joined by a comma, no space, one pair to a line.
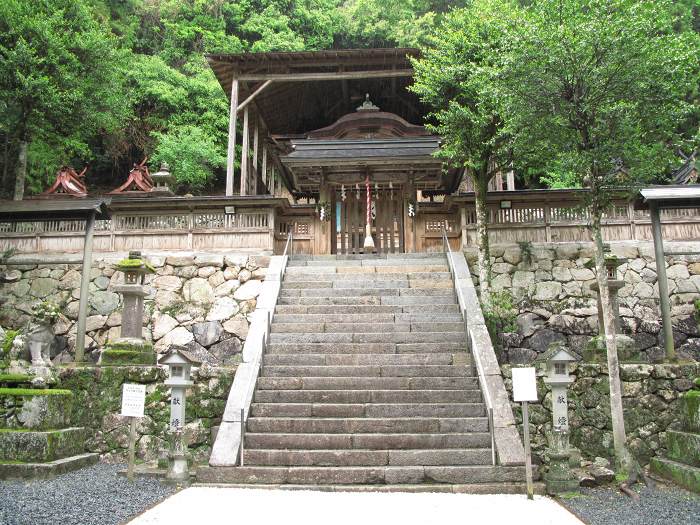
500,314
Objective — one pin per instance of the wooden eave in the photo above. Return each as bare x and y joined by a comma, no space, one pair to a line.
54,209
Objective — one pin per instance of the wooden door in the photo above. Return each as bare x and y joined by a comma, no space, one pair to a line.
349,218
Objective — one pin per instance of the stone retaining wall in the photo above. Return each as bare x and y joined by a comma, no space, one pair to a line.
550,285
97,393
650,401
198,300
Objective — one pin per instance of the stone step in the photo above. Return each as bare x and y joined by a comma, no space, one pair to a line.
367,396
362,359
367,410
366,371
412,425
345,458
363,292
370,383
389,441
388,283
422,267
369,337
466,475
390,317
364,348
341,263
409,488
306,328
371,300
365,256
311,275
435,309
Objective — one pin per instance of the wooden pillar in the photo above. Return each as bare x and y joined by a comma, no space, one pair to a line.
662,280
256,138
264,167
409,193
324,230
231,150
244,154
84,288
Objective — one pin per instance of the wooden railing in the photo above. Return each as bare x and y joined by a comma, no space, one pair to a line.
566,222
198,230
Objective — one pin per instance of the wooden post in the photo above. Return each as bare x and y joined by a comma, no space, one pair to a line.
132,448
256,138
264,167
244,154
231,150
84,287
528,458
662,280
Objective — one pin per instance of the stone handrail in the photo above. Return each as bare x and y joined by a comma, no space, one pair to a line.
226,447
509,447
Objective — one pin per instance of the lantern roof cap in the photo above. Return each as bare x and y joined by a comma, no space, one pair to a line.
178,355
134,262
557,352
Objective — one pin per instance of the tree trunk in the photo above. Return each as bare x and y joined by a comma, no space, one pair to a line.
618,421
21,175
482,237
5,160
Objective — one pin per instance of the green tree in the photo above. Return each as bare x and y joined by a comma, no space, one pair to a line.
192,155
57,76
594,85
458,78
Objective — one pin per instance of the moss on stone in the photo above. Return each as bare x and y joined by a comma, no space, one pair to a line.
23,392
130,264
127,357
15,378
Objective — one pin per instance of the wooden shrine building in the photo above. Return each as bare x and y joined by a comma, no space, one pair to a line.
338,128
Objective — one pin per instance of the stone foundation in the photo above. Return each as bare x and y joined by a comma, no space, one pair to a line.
651,403
201,301
550,285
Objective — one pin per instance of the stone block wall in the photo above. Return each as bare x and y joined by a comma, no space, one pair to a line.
650,399
198,300
550,284
97,393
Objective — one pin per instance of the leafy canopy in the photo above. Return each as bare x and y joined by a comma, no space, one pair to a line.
598,85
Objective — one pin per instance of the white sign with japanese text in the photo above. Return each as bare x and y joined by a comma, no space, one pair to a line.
133,399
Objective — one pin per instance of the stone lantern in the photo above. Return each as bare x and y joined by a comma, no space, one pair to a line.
162,179
625,344
130,347
180,363
557,360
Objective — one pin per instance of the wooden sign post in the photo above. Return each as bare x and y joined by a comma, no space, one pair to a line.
524,391
133,401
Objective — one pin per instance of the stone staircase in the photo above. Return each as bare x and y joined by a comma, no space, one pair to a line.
366,381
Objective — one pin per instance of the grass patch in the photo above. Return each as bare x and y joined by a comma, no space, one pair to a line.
34,392
621,477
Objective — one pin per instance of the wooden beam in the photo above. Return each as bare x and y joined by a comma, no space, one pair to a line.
253,95
231,150
350,75
245,153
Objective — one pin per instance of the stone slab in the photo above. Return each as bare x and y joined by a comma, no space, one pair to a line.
47,470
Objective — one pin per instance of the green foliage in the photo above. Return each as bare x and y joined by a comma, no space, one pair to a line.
192,154
500,314
593,86
15,378
8,340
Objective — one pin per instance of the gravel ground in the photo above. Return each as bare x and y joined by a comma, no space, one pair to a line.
93,495
662,505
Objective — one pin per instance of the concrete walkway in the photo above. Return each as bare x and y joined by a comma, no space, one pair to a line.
212,505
